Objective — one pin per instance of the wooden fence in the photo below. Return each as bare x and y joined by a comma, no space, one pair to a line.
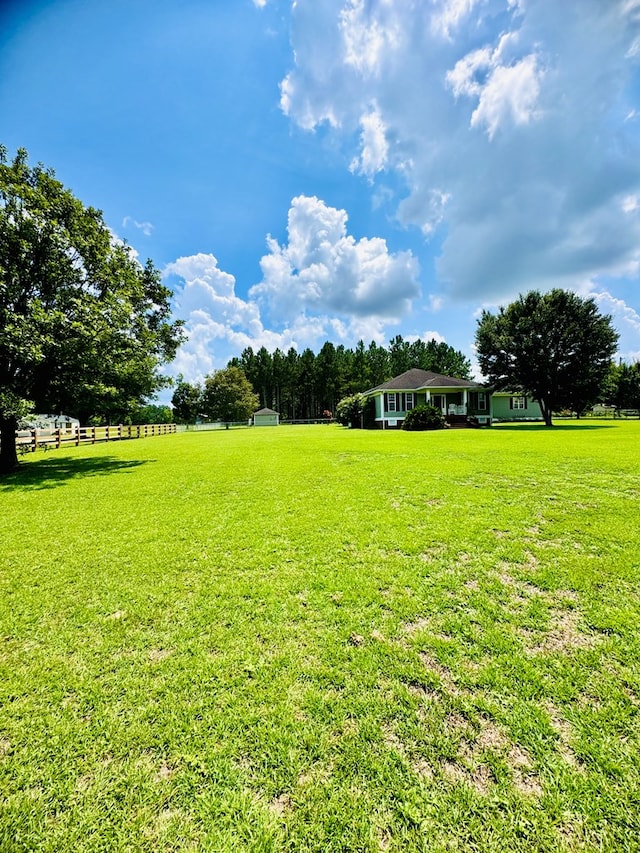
31,439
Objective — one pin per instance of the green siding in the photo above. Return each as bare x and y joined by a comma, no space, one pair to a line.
501,408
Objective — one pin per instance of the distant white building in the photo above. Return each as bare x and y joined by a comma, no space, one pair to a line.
266,417
51,422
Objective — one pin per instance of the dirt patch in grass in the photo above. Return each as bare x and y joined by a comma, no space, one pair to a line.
562,728
479,777
157,655
564,634
281,804
471,766
419,765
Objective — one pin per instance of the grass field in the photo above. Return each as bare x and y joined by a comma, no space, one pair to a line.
316,639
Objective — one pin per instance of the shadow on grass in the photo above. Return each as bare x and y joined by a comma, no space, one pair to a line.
50,473
557,425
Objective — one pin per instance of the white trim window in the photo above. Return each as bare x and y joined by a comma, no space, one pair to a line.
482,401
518,402
409,404
391,405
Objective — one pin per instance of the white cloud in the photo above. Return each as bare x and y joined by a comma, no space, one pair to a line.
449,15
366,36
145,227
374,148
624,316
431,335
509,123
509,93
323,269
218,323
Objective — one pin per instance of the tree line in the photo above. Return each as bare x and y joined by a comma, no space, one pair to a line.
303,386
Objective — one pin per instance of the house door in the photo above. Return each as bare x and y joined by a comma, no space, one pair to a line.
439,401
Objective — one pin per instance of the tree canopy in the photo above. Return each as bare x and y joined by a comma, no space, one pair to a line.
186,402
84,326
228,396
622,388
555,347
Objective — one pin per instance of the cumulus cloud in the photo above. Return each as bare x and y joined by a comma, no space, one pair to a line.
506,121
218,323
323,269
321,285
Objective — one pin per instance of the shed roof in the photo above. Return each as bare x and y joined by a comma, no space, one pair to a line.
416,379
265,411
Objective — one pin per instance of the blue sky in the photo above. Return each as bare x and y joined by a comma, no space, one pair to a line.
308,171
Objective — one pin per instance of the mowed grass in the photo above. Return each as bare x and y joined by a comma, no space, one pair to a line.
316,639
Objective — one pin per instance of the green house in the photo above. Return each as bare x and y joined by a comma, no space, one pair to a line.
461,401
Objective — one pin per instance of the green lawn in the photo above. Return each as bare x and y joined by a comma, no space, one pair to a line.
316,639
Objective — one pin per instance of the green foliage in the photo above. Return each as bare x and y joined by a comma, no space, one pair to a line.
228,396
83,326
423,417
622,388
152,414
323,640
349,410
186,402
555,347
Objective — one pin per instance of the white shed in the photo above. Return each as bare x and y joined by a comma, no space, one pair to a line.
266,417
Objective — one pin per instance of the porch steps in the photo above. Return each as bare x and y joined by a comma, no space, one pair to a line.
458,422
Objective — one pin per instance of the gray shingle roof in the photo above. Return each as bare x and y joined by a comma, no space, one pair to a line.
417,379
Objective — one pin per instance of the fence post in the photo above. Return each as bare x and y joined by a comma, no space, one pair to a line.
58,439
93,435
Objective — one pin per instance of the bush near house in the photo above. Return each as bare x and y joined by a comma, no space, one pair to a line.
424,417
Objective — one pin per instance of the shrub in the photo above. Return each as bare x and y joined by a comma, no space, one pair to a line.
423,417
349,410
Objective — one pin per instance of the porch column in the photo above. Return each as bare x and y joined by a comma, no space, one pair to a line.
465,400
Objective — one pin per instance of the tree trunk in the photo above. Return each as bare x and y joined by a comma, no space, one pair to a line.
546,414
8,449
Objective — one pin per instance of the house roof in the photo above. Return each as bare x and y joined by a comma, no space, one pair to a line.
264,412
417,379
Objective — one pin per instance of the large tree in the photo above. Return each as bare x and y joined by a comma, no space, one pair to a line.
186,401
83,326
229,396
556,347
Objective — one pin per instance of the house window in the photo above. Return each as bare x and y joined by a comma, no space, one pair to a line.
392,403
482,401
410,404
518,402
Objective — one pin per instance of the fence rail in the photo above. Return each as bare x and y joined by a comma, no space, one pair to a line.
31,439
